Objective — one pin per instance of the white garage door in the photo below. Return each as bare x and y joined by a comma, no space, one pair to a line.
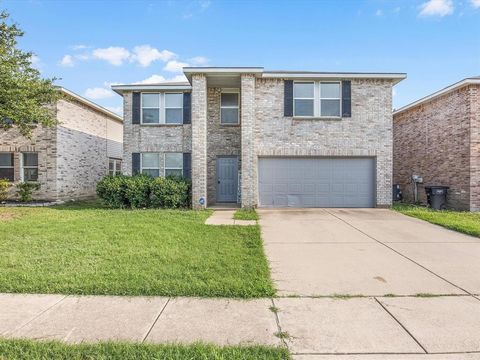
316,182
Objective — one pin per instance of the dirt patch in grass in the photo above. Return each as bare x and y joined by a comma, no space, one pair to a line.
7,216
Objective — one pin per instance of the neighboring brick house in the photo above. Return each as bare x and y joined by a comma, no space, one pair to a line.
69,159
438,138
266,138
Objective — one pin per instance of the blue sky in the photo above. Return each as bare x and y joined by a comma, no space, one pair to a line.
92,44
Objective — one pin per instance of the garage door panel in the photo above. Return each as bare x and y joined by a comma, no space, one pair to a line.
317,182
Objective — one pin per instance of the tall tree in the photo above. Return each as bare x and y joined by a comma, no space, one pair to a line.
24,96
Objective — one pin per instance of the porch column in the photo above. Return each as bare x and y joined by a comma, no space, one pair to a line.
249,159
199,141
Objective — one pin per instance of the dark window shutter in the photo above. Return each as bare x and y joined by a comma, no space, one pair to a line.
288,98
135,163
346,98
136,108
187,108
187,165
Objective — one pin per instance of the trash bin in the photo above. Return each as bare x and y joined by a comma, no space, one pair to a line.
437,197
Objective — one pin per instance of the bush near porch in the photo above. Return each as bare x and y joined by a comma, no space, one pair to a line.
142,191
85,248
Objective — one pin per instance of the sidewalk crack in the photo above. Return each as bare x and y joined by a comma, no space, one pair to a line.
156,320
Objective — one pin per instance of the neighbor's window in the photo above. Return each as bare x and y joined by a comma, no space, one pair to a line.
114,166
229,108
330,99
6,166
150,108
150,164
30,167
174,108
173,164
303,98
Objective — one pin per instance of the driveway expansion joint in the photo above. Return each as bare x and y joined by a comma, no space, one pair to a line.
403,327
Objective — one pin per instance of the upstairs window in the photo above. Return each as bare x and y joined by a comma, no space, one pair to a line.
317,99
162,108
6,166
173,164
229,108
303,98
150,108
330,99
29,167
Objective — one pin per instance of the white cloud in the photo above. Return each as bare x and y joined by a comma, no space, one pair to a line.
199,60
67,61
394,92
156,79
115,55
145,55
79,47
379,12
436,8
98,93
475,3
116,109
204,4
175,66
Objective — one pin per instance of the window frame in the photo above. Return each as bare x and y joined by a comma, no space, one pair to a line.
12,156
115,162
320,98
164,104
159,108
23,167
230,91
304,98
162,108
165,162
149,168
317,99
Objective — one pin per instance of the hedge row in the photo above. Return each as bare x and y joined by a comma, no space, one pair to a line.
142,191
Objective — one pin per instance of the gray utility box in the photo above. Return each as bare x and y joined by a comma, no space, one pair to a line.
437,197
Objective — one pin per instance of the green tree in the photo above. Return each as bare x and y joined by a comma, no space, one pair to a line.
24,96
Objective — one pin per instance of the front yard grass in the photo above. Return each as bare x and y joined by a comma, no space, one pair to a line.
83,248
462,221
27,349
245,214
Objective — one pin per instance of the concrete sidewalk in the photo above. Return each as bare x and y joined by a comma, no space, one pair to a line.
313,328
225,217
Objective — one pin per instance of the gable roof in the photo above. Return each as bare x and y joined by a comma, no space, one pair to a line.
90,104
445,90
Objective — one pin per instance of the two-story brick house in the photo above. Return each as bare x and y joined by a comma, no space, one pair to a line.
266,138
68,159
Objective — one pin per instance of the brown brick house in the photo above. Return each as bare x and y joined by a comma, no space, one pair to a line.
438,138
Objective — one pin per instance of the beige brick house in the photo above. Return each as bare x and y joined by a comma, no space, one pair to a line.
69,159
438,138
266,138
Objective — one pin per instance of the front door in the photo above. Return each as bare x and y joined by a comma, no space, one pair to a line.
227,179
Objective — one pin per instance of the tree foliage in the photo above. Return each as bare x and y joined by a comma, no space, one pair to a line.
25,98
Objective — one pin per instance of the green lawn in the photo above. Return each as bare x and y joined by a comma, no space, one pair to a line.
462,221
245,214
86,249
25,349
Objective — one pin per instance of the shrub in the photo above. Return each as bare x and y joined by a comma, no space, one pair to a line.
112,190
144,191
26,189
137,191
4,185
171,192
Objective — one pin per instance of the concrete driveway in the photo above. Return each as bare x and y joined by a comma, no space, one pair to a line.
368,252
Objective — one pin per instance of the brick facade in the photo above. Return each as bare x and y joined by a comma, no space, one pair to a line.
439,140
72,156
264,131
